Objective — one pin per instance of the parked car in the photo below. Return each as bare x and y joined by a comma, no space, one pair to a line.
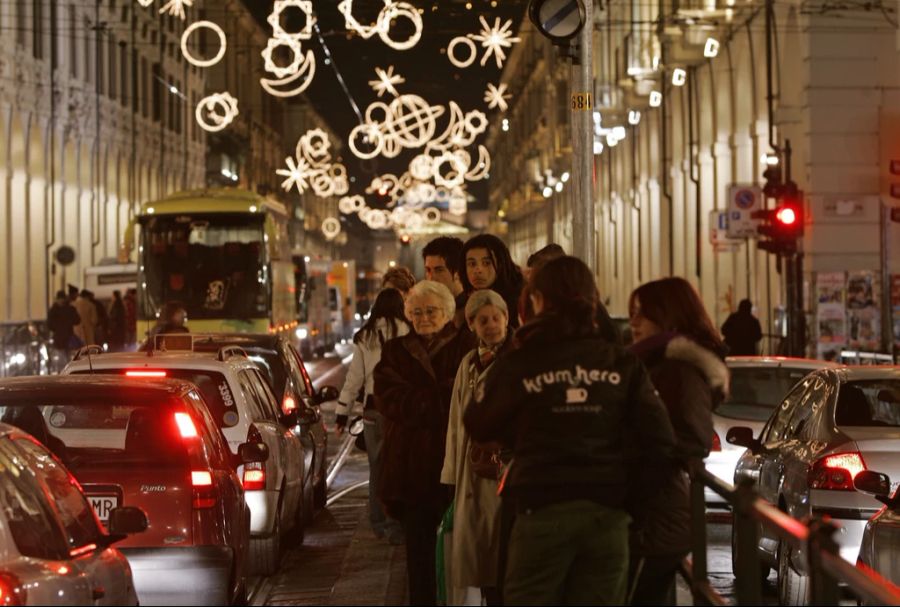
832,425
283,368
881,538
55,552
244,409
150,445
758,385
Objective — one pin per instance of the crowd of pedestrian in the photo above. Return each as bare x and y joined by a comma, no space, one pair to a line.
522,453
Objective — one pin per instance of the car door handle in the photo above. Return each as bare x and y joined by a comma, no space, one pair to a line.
98,593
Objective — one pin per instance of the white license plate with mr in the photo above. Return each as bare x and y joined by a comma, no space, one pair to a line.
103,504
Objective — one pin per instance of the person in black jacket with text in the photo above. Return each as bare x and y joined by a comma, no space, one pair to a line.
570,405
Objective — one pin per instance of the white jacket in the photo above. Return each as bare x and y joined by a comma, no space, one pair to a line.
366,354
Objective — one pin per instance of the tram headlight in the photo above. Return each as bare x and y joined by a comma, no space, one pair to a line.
302,333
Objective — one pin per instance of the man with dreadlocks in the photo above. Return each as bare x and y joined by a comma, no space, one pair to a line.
488,265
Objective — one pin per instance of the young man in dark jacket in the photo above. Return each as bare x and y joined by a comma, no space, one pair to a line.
576,411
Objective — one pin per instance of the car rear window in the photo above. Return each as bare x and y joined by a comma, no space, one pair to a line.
272,366
756,391
871,403
81,431
213,386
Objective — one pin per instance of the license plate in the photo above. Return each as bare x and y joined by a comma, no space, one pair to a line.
103,504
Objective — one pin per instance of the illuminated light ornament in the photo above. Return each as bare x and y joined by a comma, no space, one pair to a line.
175,8
458,204
496,97
351,204
305,74
331,227
350,22
451,52
274,19
145,3
314,145
408,122
322,183
432,215
338,173
298,174
453,178
377,220
392,11
203,62
216,111
282,71
679,76
495,39
425,192
422,167
655,98
369,135
386,82
482,168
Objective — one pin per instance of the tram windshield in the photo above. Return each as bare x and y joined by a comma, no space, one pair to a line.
215,264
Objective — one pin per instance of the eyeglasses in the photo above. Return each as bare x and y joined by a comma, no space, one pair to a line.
430,312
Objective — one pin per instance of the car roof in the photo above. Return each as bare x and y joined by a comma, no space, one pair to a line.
868,372
778,361
94,386
175,359
246,340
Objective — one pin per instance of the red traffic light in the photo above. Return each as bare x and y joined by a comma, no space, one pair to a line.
786,216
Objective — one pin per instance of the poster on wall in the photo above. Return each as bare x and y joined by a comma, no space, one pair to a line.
895,305
831,314
863,313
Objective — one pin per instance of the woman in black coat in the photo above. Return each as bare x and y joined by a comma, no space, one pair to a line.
413,387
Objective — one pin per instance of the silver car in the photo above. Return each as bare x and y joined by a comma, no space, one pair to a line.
834,424
758,385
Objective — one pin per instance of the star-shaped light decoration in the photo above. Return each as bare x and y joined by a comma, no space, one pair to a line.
495,39
176,8
496,96
386,81
298,173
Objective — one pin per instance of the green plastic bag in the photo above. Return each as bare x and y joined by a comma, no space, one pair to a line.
444,529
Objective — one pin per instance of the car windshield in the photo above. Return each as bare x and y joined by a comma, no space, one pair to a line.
214,264
756,391
872,403
78,430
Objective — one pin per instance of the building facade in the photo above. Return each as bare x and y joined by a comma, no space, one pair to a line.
824,78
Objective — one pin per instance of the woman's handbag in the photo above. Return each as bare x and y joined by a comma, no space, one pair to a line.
485,460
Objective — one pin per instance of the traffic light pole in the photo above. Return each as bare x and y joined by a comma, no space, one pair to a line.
793,275
583,243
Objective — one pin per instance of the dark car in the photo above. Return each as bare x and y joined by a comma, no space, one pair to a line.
283,367
153,445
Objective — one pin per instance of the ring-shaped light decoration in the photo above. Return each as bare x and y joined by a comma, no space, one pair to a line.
287,70
455,177
314,145
371,136
421,167
345,205
377,220
341,186
426,192
413,121
216,111
203,62
338,171
274,19
414,221
306,72
476,122
322,183
458,204
432,215
331,227
395,11
441,194
451,52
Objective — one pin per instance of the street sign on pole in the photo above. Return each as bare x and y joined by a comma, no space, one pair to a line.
718,233
742,201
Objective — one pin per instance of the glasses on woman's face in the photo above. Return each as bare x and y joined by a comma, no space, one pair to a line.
428,311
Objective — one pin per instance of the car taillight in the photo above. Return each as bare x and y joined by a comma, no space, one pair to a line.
204,492
716,442
289,404
254,477
145,373
11,590
186,426
836,472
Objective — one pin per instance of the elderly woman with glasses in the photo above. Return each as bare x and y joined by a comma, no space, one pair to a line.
473,468
413,387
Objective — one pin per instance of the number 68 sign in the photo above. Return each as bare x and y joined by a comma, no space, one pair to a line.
582,102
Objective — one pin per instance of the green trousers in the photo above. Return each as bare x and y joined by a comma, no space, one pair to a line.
570,553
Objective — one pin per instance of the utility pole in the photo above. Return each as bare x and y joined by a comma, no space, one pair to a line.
582,81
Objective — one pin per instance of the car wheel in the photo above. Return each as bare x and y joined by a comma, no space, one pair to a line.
265,552
763,568
793,588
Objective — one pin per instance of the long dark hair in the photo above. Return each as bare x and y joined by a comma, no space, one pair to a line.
674,305
570,293
388,306
509,280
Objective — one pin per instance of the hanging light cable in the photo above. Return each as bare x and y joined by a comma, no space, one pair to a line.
337,73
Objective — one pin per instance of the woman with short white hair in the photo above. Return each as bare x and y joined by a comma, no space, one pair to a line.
473,468
413,385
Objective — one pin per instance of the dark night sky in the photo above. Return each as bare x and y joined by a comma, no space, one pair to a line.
427,71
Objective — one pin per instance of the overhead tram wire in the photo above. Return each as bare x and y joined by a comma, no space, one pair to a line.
337,73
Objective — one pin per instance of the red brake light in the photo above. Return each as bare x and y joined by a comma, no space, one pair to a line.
289,404
716,442
201,478
145,373
11,590
836,472
185,425
254,477
86,549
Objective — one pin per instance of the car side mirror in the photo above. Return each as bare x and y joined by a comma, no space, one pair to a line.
874,483
327,393
307,416
126,520
253,453
742,436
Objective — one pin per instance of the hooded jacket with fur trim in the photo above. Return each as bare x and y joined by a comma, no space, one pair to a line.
692,381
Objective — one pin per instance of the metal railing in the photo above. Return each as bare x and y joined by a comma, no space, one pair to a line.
827,570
